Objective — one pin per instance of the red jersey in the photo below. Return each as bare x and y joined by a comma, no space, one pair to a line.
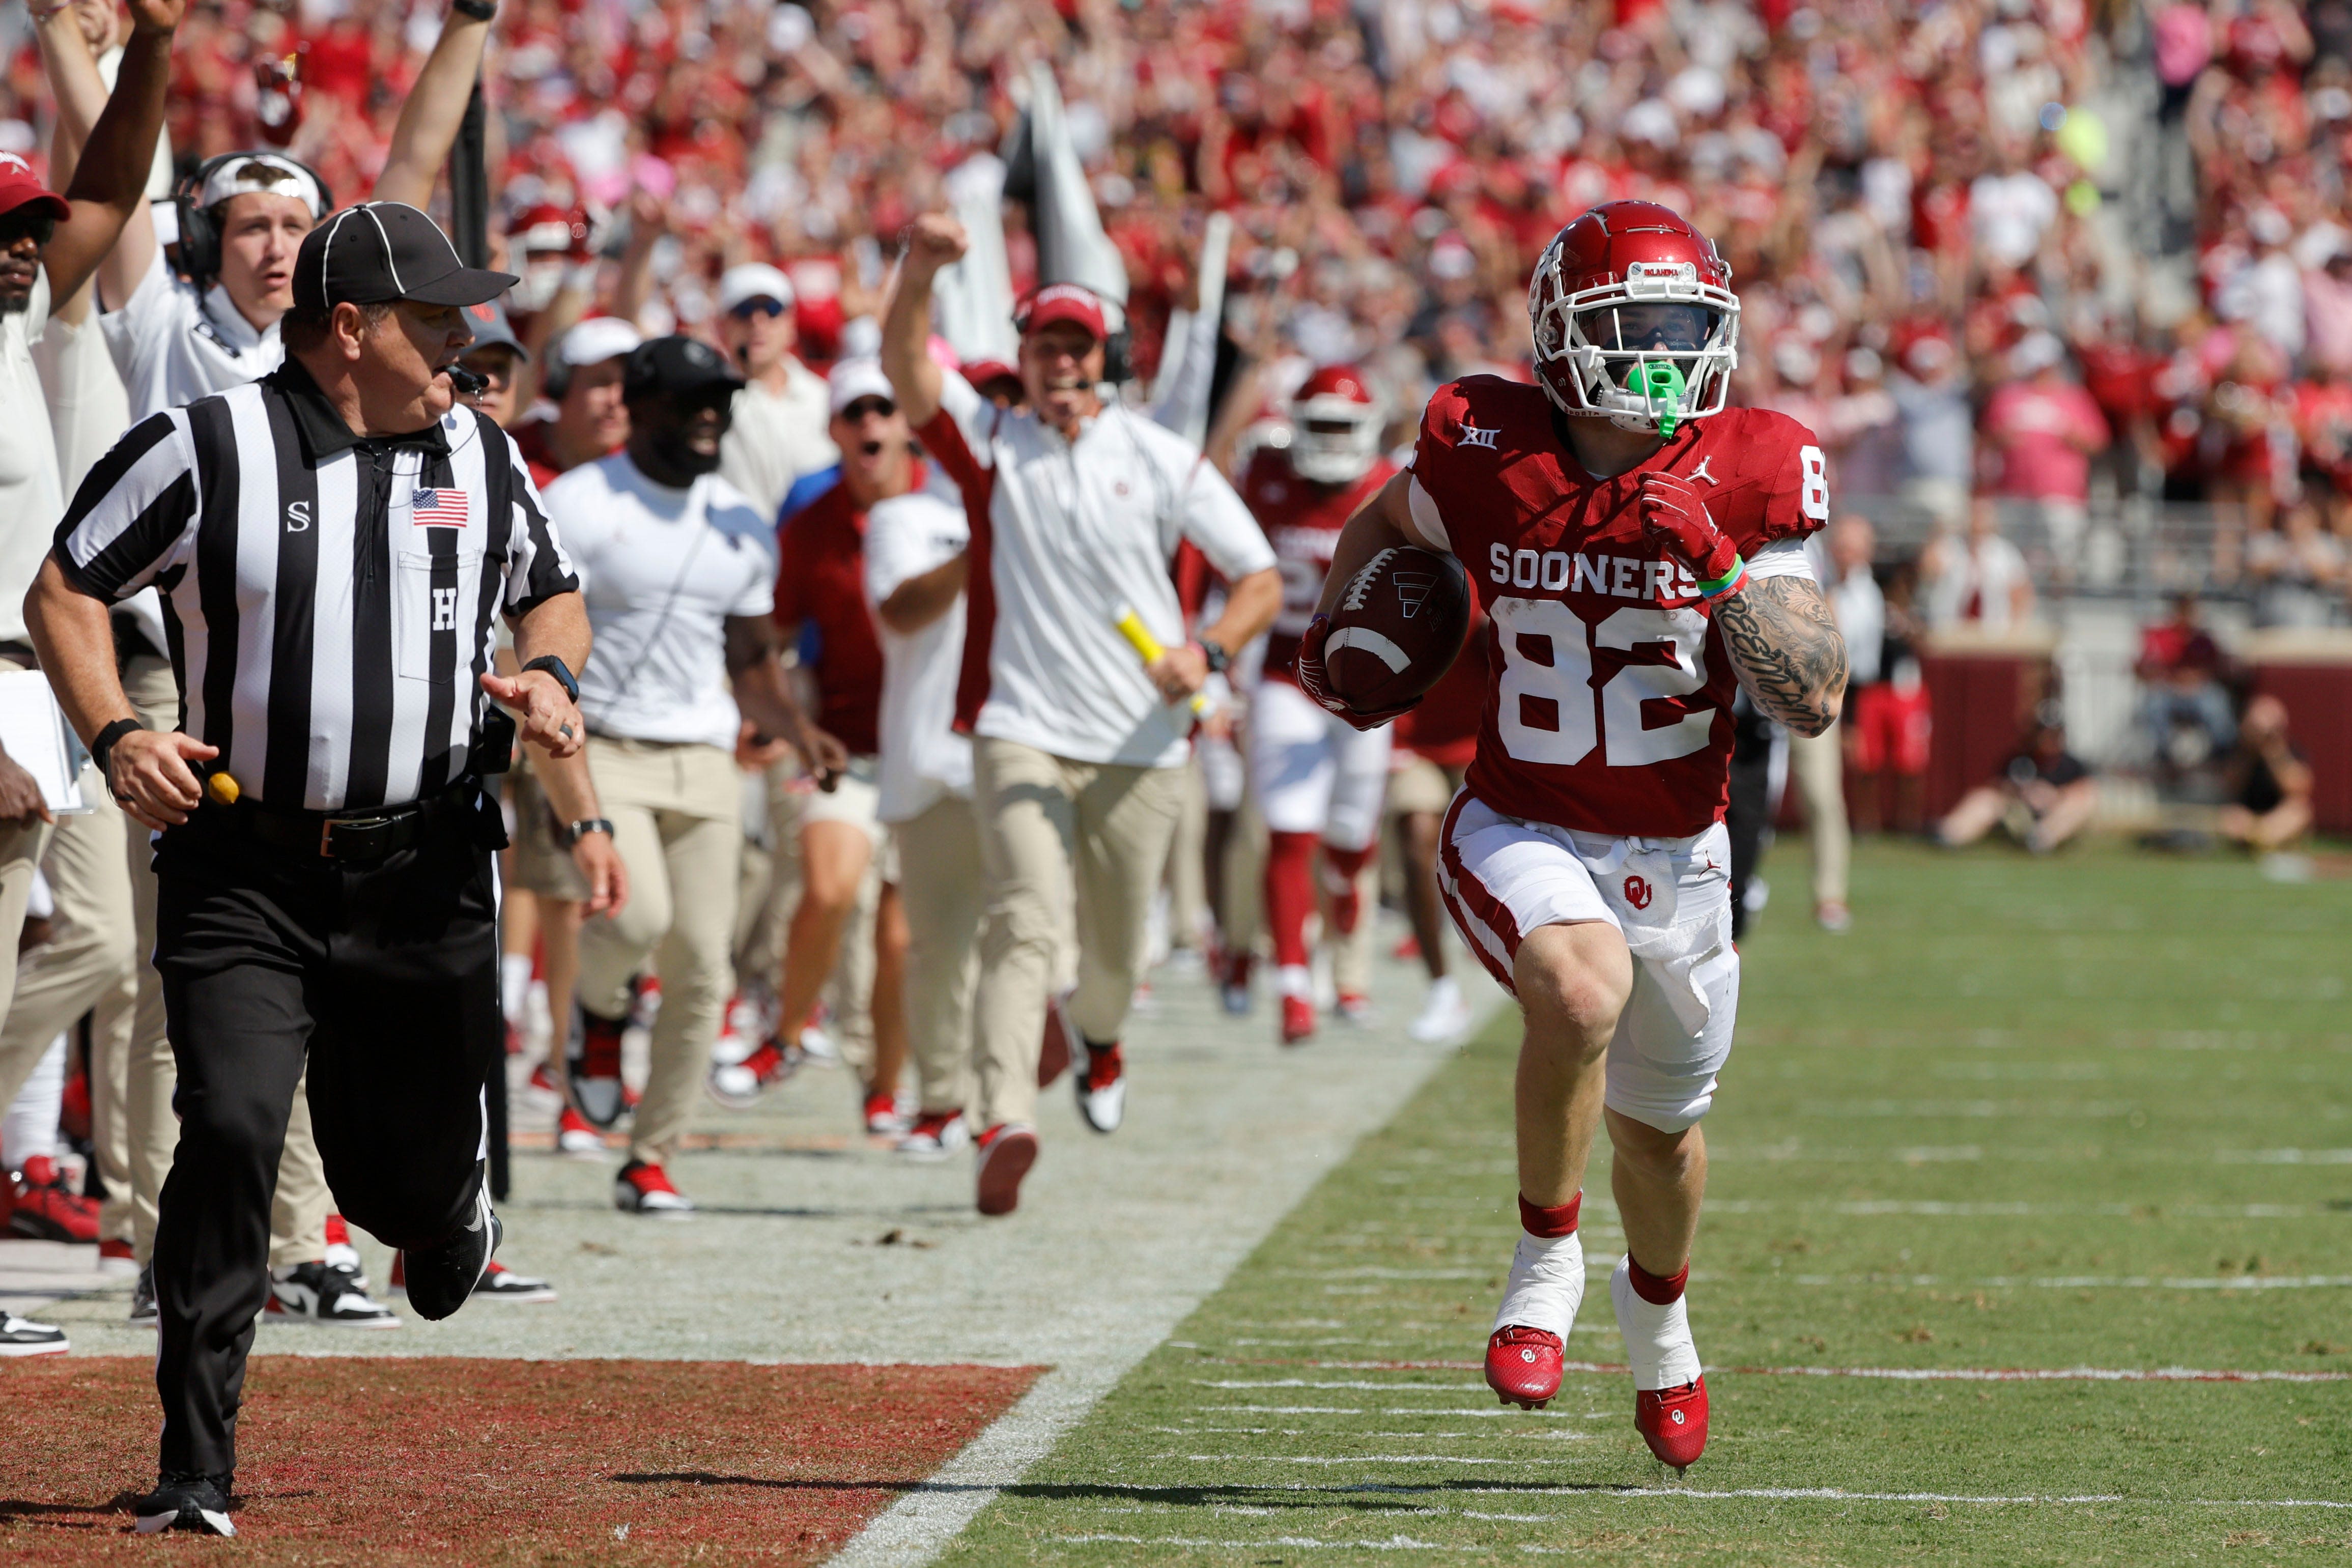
821,580
1607,704
1302,521
1443,725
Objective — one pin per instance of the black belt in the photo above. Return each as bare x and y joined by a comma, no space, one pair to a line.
343,835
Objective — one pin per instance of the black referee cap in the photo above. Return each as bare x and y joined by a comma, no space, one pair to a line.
381,251
677,367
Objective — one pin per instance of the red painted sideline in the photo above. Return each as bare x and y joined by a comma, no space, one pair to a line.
434,1460
1893,1373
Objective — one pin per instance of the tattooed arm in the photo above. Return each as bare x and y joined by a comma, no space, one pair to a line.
1787,651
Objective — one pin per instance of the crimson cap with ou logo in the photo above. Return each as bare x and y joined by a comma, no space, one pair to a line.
1071,302
381,251
21,191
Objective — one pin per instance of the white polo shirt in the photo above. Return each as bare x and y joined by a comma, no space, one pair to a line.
32,496
778,437
923,759
1077,530
661,569
174,344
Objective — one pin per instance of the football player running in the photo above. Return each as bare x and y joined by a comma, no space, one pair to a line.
1318,778
1639,547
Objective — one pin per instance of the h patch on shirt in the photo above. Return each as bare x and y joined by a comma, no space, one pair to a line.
437,508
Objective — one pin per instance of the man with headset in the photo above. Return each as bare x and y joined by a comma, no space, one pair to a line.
241,218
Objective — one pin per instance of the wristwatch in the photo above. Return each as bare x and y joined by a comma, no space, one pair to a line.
575,831
562,672
479,10
1214,651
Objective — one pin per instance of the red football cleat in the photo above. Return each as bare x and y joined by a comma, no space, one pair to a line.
1523,1367
1298,1020
1673,1421
1006,1152
1055,1050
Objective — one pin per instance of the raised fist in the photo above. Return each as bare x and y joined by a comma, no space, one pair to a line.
1673,514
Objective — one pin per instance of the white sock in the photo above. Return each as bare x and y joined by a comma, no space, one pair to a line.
1294,980
1658,1345
1545,1286
514,987
28,1131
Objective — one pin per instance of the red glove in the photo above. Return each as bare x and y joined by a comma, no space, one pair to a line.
1316,681
1673,514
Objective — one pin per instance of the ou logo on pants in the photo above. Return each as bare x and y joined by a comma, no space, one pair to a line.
1637,892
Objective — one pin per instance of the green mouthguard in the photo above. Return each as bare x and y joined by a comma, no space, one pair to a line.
1662,383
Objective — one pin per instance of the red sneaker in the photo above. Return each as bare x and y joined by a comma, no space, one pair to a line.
1006,1152
542,1078
595,1073
115,1257
739,1084
575,1139
46,1211
1055,1050
880,1108
1673,1421
1298,1020
644,1188
1523,1367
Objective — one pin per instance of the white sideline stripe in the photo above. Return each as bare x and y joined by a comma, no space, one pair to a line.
1351,1459
1893,1373
2282,1157
2099,1281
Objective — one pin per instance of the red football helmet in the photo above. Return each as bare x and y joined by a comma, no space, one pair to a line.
1622,294
1335,425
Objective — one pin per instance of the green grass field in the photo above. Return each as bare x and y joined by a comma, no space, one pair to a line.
2087,1113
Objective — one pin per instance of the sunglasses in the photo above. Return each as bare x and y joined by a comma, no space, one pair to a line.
763,305
862,406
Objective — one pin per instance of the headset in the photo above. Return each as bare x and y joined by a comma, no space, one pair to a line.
200,249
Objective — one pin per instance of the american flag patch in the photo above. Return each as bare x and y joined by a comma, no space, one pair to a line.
438,509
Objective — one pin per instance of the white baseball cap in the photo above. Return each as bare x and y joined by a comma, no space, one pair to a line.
597,339
753,280
854,379
262,174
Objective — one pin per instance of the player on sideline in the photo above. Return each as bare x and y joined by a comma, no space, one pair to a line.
1640,549
1318,778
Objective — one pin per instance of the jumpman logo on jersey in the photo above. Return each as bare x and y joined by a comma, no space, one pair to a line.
1700,472
1472,435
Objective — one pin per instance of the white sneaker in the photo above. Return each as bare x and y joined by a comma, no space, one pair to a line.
1658,1345
934,1138
1101,1082
819,1049
1444,1013
23,1336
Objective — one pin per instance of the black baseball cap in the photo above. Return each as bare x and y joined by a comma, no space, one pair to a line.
381,251
676,367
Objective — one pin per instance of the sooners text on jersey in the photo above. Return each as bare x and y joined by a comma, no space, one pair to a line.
1608,691
1302,521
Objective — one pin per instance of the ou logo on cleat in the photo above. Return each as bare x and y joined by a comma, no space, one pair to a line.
1678,1418
1637,892
1527,1355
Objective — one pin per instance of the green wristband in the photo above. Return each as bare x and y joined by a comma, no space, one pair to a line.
1727,582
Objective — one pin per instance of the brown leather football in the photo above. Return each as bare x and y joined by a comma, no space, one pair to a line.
1397,628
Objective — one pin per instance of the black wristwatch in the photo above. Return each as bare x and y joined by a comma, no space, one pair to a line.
562,672
1214,651
575,831
101,745
479,10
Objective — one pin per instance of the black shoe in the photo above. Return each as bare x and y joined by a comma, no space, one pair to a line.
323,1293
197,1502
440,1279
142,1299
23,1336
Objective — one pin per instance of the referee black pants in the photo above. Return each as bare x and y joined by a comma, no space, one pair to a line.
386,975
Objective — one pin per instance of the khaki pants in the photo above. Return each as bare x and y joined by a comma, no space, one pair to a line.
676,815
132,1075
1058,836
1818,764
22,847
942,885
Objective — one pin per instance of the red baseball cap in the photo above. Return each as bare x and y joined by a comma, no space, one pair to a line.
1073,302
980,373
19,187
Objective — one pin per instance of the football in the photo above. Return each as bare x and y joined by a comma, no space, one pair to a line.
1397,628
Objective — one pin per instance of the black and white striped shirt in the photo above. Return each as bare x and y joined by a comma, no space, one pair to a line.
330,601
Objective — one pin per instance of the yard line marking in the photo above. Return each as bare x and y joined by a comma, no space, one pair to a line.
1896,1374
1931,1210
1354,1460
2098,1281
2282,1157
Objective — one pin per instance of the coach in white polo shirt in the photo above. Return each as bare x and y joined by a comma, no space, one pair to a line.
1077,508
779,434
679,574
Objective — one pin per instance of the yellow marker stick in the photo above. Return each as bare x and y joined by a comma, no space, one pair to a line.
223,789
1131,627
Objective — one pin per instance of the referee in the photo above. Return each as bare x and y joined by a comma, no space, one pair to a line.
330,543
